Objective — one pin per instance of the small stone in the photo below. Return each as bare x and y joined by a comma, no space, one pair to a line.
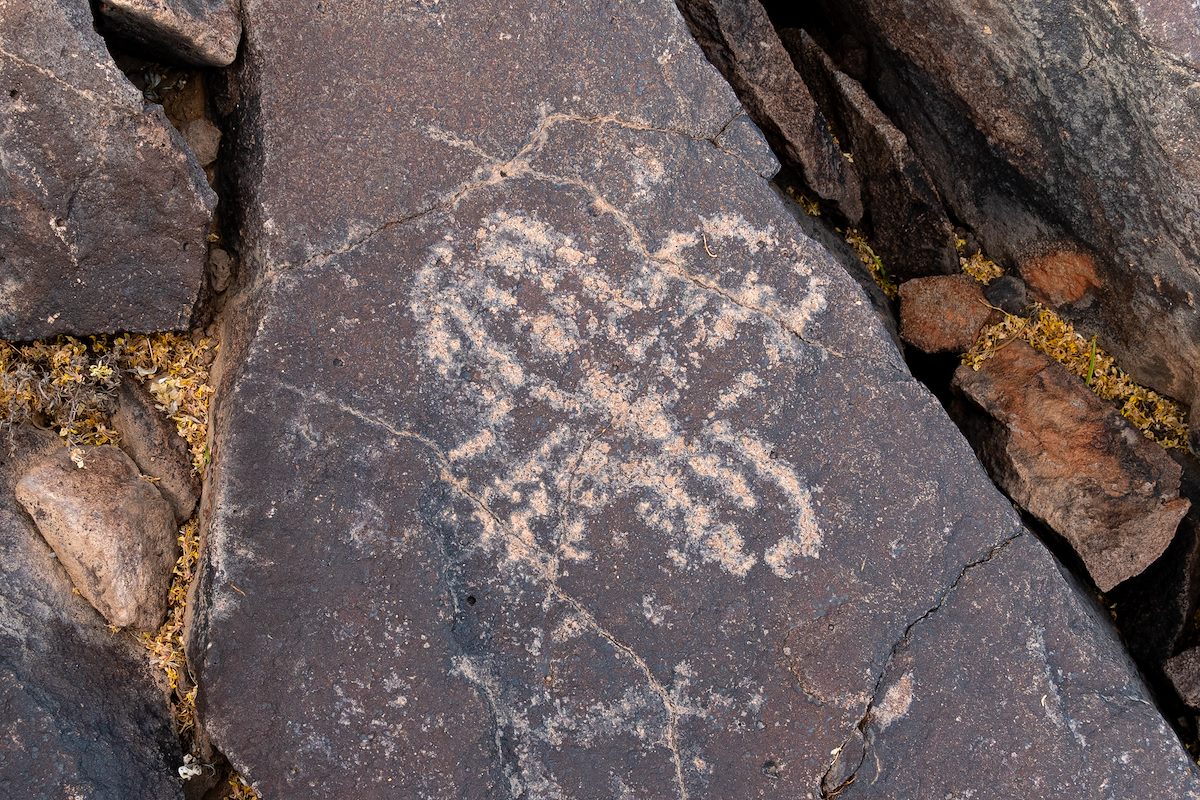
203,32
220,269
942,313
1008,293
1184,672
111,529
1072,461
156,447
205,140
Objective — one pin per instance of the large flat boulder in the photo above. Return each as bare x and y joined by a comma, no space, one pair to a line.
82,716
1064,134
558,462
103,212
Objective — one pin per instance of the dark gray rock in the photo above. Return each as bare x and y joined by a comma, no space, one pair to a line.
1067,692
558,462
1065,135
82,716
1068,458
154,443
903,213
203,32
739,39
1008,293
103,212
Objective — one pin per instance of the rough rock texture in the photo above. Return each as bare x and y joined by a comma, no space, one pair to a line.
557,462
81,716
1184,672
204,32
1068,458
942,314
112,531
103,213
738,37
1064,133
904,216
154,443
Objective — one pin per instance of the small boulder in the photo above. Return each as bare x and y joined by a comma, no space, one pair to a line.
1072,461
942,313
112,531
204,138
1009,294
202,32
156,447
1184,672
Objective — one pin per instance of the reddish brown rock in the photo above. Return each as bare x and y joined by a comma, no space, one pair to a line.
155,445
111,529
1060,277
1184,672
738,37
943,313
1068,458
903,212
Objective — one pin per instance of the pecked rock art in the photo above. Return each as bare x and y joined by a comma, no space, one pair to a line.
569,467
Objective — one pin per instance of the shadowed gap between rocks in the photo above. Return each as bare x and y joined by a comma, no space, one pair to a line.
1154,604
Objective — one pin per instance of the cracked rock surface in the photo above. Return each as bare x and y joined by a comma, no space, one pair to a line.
103,212
558,462
80,716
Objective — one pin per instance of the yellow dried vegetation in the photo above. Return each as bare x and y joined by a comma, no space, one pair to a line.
874,264
68,384
1158,418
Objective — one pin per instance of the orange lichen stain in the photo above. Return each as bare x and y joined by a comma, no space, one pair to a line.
1061,277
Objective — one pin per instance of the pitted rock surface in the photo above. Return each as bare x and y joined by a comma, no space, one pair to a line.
103,212
81,715
558,462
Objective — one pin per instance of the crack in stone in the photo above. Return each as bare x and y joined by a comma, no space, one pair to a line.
541,563
829,792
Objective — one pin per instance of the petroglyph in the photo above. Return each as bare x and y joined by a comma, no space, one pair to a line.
516,301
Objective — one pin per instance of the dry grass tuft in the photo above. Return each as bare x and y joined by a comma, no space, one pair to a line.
872,261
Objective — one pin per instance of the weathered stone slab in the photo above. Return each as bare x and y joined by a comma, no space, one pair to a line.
112,531
558,462
82,716
1070,459
903,210
103,213
1065,135
204,32
738,37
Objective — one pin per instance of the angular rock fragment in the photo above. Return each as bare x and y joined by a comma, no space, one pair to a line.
111,530
81,715
902,210
1009,294
203,32
943,313
1068,458
1065,135
103,213
738,37
1184,672
156,447
558,449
